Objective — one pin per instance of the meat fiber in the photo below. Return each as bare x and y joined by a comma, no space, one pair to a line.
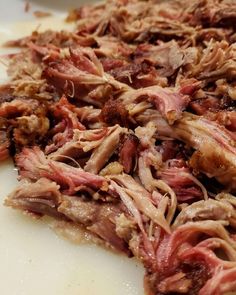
220,283
27,119
64,112
213,13
80,75
44,198
128,152
217,61
215,145
137,75
167,57
133,192
205,210
33,164
105,150
82,142
169,102
97,218
178,176
4,145
26,76
21,107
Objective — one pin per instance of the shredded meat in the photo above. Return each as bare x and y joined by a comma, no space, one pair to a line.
33,164
99,219
4,145
42,197
126,126
128,152
205,210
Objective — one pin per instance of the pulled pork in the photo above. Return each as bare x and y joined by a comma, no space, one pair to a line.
126,127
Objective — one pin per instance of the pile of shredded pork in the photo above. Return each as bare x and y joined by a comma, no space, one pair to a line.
127,127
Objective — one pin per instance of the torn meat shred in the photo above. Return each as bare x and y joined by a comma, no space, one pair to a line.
33,165
128,152
4,145
169,102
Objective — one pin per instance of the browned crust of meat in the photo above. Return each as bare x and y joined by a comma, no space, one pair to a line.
114,112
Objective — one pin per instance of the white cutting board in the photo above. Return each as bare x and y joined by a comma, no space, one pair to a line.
33,259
